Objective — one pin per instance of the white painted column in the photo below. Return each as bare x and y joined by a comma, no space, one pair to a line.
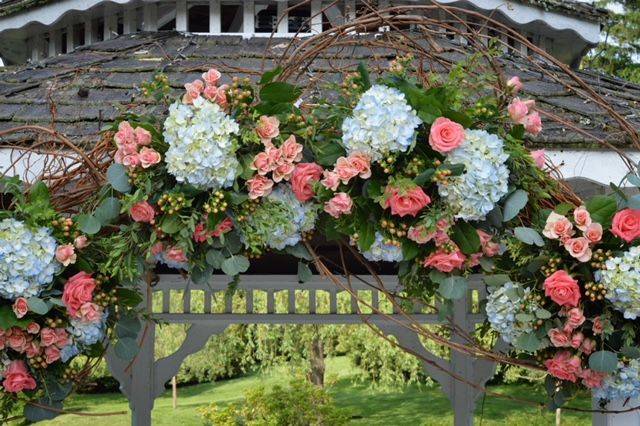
283,25
316,16
150,17
129,20
631,418
181,16
70,44
110,22
248,18
35,44
54,43
215,22
88,30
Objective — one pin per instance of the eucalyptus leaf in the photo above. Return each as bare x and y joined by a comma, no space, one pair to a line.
215,258
126,348
299,251
88,224
304,272
38,413
528,236
603,361
528,342
496,280
453,287
38,305
515,202
235,265
117,177
128,326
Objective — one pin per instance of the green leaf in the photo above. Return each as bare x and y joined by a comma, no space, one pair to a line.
108,210
410,250
39,193
171,224
424,177
515,202
543,313
634,202
117,177
528,236
522,317
8,319
466,237
268,76
528,342
215,258
602,208
563,208
366,234
232,242
235,265
200,275
38,305
453,287
128,297
437,276
304,272
126,348
327,152
630,351
603,361
279,92
633,179
496,280
364,75
128,326
299,251
88,224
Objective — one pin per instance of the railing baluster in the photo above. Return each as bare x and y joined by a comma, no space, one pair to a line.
186,301
354,302
270,301
207,302
312,301
166,301
249,296
228,302
333,302
292,301
374,301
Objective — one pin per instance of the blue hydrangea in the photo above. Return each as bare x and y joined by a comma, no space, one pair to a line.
484,182
621,279
504,304
201,150
621,385
381,251
68,352
88,333
382,122
27,259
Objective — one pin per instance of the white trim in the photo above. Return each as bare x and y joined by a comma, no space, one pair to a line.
283,25
600,166
316,16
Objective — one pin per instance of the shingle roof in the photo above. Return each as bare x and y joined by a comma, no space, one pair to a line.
91,86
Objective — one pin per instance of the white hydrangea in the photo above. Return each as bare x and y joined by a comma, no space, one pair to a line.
484,182
379,250
27,259
504,304
621,279
382,122
201,149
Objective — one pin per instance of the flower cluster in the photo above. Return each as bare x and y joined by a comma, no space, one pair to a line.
558,227
484,182
27,259
206,88
347,168
623,384
133,147
621,279
201,146
511,310
382,122
383,251
522,112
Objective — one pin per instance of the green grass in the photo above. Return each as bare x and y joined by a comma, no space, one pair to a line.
413,405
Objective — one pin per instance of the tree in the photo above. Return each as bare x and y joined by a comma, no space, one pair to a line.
619,51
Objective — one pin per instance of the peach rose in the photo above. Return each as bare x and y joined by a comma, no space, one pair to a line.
593,233
578,248
33,349
533,123
557,227
283,172
582,218
221,96
212,76
143,136
268,128
562,289
210,92
445,135
291,150
592,379
143,212
406,202
259,186
17,340
62,338
420,234
626,224
20,307
340,204
515,84
445,262
559,338
51,354
489,248
345,170
66,254
362,163
132,160
33,328
78,290
17,379
148,157
193,91
81,242
575,318
564,366
263,163
539,157
302,179
89,312
330,180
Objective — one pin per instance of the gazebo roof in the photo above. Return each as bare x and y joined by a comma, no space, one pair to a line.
88,88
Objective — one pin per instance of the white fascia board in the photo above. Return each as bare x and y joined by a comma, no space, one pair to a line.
597,165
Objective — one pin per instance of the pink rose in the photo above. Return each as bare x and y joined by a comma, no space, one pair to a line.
445,135
441,238
626,224
143,136
539,157
259,186
132,160
148,157
445,262
330,180
89,312
564,366
557,227
200,234
48,336
582,218
17,379
559,338
268,128
212,76
576,340
593,233
283,172
515,84
193,91
62,338
302,179
20,307
361,163
532,123
262,163
33,328
518,110
489,248
81,242
78,290
221,96
33,349
597,326
562,289
125,135
17,340
66,254
210,92
575,318
176,254
143,212
157,248
592,379
345,170
420,234
340,204
406,201
588,346
291,150
578,248
52,354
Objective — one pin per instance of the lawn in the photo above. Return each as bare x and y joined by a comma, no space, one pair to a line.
411,406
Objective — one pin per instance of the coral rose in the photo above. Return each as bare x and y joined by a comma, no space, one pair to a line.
48,337
576,340
588,346
66,254
562,289
445,262
51,354
17,378
420,234
267,129
406,202
143,212
176,254
78,290
592,379
20,307
340,204
564,366
33,328
302,179
445,135
626,224
575,318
